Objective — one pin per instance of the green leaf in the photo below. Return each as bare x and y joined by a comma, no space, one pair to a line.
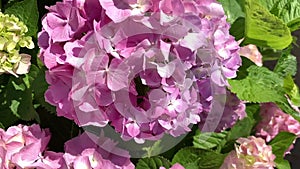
288,11
292,90
243,70
263,28
18,102
211,160
282,164
209,140
260,86
294,24
281,143
187,156
194,158
253,111
39,87
242,128
153,163
17,99
232,9
237,28
268,4
7,117
27,12
286,65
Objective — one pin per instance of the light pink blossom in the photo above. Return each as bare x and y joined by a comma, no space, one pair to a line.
250,153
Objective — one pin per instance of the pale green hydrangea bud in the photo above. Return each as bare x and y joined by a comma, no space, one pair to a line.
12,38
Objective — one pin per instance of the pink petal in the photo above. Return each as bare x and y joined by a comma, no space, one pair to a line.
133,129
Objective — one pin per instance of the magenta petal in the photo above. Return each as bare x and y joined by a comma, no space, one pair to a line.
104,96
63,9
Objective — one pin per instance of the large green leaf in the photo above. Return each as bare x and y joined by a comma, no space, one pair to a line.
209,140
187,156
237,28
27,12
194,158
262,85
282,164
286,65
292,90
281,143
17,99
263,28
153,163
242,128
268,4
39,86
233,9
287,10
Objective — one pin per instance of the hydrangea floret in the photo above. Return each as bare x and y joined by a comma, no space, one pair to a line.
12,38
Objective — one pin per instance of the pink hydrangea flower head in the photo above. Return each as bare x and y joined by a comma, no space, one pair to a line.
143,66
25,147
90,158
104,151
22,146
250,153
274,120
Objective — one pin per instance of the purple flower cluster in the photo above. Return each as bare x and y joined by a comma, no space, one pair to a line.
144,67
25,147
